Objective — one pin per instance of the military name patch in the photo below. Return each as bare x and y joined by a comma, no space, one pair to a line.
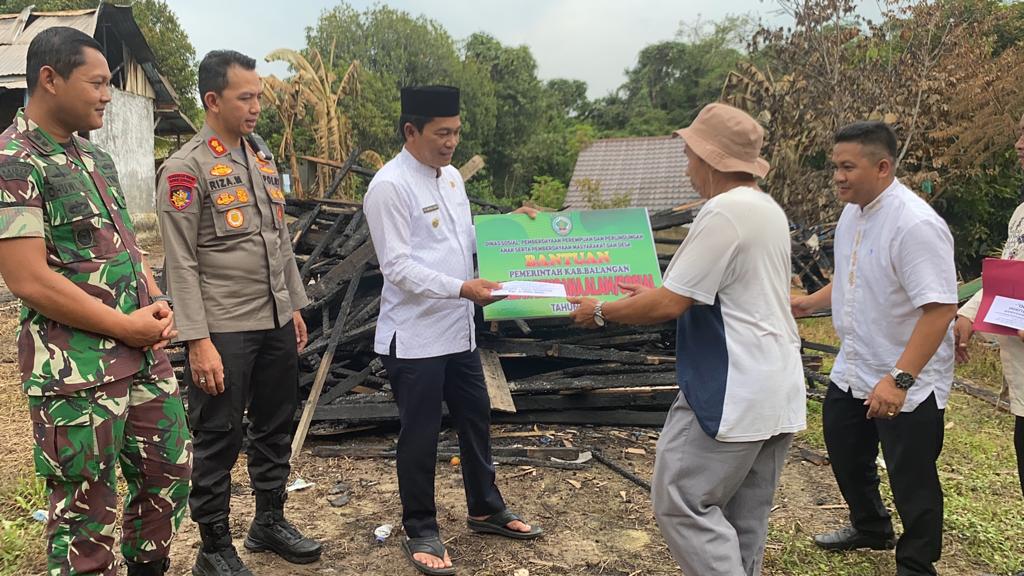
221,170
234,218
216,147
272,181
431,208
181,189
222,183
16,171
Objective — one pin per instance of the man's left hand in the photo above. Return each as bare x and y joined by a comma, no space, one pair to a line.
301,337
169,333
531,212
886,400
583,315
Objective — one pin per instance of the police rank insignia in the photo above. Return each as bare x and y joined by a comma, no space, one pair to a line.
225,198
276,194
266,169
181,187
220,170
234,218
216,147
242,194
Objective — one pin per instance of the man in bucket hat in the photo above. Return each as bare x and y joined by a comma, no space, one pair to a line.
738,354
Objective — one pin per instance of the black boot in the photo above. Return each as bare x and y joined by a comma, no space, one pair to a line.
154,568
270,531
218,556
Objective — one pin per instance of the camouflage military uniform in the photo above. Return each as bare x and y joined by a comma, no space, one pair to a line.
94,402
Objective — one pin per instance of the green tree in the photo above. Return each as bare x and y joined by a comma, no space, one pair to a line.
673,80
547,191
517,93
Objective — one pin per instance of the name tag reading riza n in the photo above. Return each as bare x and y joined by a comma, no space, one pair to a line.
589,253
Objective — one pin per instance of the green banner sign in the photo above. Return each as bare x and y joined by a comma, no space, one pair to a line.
590,253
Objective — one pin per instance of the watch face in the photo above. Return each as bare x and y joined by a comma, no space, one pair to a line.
598,320
904,380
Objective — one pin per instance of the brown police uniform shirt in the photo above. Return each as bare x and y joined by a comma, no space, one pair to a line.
229,265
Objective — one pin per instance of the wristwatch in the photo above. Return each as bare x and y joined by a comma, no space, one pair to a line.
599,314
164,298
904,380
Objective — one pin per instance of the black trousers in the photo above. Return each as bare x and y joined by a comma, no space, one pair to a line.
261,375
419,386
911,443
1018,443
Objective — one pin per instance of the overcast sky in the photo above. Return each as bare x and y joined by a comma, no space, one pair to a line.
590,40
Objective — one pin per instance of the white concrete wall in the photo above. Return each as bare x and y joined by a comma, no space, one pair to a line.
127,135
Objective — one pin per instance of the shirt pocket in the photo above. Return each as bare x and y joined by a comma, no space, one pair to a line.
79,230
233,211
429,223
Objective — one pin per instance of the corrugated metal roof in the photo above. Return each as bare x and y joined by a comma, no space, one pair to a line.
12,55
12,61
84,22
119,19
652,171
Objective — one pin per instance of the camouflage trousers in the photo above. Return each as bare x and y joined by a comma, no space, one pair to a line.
137,422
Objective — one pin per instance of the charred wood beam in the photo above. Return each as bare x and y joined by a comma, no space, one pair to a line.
670,219
583,383
335,228
303,224
329,282
524,348
805,345
591,417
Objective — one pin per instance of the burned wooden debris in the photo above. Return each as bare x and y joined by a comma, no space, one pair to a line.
537,371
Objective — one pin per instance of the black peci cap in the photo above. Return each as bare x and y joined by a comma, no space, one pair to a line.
430,101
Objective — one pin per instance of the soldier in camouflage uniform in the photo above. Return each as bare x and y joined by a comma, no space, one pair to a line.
101,391
231,271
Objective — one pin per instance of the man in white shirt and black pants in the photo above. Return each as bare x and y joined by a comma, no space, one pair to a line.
422,231
893,297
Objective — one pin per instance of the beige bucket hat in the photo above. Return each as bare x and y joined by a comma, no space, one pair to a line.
728,139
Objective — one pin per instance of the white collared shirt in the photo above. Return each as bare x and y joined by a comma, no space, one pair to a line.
423,234
891,258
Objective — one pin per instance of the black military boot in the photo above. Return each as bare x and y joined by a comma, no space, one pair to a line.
270,531
154,568
217,556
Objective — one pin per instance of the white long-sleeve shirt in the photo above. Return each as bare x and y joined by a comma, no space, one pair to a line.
423,234
1011,349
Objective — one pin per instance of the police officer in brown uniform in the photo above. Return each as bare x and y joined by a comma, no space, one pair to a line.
237,292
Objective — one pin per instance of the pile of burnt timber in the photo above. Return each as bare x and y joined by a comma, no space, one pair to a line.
541,371
812,254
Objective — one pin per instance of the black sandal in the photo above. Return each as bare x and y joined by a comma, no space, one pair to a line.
497,523
429,545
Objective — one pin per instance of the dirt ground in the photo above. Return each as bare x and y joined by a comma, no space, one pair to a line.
596,521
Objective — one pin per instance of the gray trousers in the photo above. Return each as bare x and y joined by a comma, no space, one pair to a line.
711,498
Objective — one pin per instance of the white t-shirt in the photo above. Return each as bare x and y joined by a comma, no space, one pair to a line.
738,351
892,257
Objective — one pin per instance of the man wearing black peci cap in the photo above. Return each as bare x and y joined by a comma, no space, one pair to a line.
422,230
